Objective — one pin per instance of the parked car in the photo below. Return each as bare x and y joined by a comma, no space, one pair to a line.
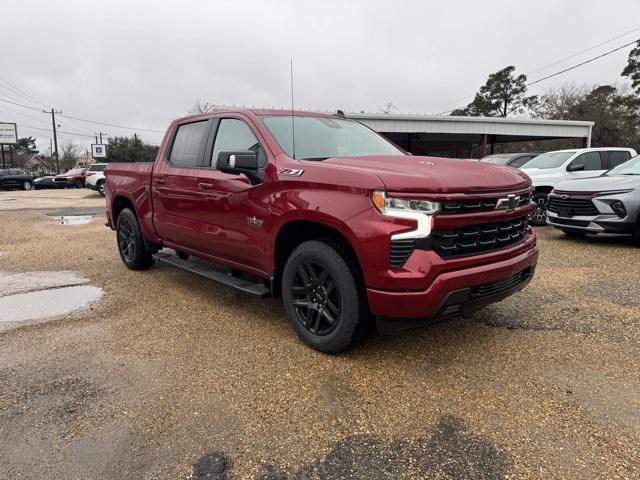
48,181
549,169
512,159
72,178
15,178
94,177
609,203
341,223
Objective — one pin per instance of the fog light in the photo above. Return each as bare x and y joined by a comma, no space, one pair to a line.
618,208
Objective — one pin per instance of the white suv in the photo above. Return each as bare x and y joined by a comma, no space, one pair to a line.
94,177
551,168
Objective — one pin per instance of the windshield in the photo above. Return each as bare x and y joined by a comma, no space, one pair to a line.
549,160
500,159
318,138
631,167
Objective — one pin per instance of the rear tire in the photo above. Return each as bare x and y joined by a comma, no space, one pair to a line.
636,235
78,184
130,242
101,188
324,297
27,185
539,217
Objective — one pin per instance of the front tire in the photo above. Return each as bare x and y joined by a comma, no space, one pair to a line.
324,297
78,184
130,242
27,185
539,217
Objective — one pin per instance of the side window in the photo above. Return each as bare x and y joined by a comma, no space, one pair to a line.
520,161
97,168
235,135
617,157
590,160
188,144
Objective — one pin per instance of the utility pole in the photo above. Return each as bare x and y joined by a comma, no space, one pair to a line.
102,133
55,137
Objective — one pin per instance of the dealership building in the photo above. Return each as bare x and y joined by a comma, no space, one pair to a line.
461,137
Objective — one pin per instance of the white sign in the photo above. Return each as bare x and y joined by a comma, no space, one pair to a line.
8,133
98,150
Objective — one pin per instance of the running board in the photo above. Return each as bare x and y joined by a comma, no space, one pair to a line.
201,267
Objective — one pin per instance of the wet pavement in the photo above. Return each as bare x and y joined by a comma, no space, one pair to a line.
171,376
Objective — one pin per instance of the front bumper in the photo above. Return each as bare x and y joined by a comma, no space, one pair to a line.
604,223
454,292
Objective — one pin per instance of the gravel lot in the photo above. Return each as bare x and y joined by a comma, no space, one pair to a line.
172,376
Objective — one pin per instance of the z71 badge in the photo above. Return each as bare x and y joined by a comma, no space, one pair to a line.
295,172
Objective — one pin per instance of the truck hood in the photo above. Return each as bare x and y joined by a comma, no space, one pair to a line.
407,173
600,184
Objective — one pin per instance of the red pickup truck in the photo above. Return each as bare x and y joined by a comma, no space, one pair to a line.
349,229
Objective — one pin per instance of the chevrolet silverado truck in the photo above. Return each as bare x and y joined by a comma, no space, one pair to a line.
352,232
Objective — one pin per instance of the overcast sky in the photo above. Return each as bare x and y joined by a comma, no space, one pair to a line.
141,63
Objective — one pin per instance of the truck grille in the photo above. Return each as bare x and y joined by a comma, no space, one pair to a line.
453,207
458,242
575,205
489,289
473,239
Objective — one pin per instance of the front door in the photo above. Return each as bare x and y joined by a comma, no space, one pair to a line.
593,162
232,211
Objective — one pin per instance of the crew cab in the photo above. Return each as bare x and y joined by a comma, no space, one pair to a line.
551,168
350,230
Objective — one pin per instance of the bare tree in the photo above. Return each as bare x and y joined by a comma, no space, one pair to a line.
69,155
387,108
202,107
561,103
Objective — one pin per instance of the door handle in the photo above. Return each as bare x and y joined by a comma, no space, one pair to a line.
158,181
205,186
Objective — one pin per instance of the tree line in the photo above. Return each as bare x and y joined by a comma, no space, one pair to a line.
615,109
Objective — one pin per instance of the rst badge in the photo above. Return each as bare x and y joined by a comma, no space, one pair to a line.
510,202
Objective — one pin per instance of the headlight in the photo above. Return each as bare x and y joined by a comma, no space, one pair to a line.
392,204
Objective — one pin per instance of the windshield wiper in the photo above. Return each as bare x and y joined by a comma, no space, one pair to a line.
313,158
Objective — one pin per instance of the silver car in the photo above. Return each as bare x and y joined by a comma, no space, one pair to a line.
609,203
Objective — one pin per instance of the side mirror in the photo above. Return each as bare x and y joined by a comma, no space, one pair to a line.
575,167
240,162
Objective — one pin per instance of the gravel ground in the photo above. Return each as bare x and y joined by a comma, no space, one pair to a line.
172,376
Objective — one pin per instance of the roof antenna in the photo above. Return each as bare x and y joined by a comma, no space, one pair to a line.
293,123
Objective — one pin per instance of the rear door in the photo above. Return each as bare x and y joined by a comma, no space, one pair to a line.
176,187
616,157
594,164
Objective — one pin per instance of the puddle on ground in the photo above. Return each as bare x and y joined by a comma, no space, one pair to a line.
11,283
47,303
71,219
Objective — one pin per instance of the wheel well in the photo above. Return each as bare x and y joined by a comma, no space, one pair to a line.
294,233
119,204
543,189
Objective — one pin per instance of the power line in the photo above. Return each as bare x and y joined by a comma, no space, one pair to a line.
59,131
555,63
112,124
583,63
22,93
20,105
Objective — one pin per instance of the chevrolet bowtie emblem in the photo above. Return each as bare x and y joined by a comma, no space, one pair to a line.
510,202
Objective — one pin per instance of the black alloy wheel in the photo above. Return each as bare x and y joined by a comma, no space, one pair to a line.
316,300
130,242
78,183
539,217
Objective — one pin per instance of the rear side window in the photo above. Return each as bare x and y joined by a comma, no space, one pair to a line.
235,135
617,157
188,144
590,160
97,168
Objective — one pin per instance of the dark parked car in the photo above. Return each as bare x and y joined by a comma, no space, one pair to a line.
72,178
15,178
512,159
47,181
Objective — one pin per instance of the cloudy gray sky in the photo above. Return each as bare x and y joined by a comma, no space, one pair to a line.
141,63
